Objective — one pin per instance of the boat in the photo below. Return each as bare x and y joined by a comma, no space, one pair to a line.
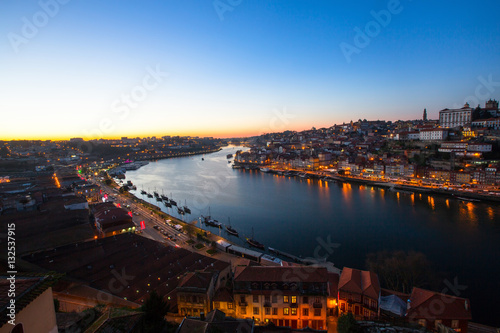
156,194
186,209
143,192
264,169
209,221
230,229
229,155
202,159
158,199
180,211
468,199
149,195
255,243
172,201
167,204
229,162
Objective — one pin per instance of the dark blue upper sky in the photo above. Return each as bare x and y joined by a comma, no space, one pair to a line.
83,68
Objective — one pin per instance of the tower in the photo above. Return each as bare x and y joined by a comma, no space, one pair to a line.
425,115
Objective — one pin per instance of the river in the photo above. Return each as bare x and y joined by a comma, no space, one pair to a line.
300,216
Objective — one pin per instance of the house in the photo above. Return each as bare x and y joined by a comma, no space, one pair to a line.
195,293
27,304
359,293
429,308
286,296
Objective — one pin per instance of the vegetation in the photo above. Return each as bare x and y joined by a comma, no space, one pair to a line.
347,324
199,246
401,271
155,309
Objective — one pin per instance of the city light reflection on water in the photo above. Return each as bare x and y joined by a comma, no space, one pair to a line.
290,213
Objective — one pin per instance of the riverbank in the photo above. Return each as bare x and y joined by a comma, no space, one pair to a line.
465,195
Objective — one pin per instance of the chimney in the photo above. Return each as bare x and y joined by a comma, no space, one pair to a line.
202,315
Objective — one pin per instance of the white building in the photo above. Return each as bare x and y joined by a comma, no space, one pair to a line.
435,134
451,118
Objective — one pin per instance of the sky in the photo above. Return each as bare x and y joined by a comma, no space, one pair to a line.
229,68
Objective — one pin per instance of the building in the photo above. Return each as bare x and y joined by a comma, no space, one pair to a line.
429,309
435,134
195,293
359,293
111,220
33,309
287,296
451,118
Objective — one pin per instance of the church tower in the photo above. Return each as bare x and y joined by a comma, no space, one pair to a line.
425,115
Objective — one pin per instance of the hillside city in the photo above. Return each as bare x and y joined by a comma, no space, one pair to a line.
90,256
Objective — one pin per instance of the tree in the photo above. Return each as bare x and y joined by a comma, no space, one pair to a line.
347,324
399,270
155,309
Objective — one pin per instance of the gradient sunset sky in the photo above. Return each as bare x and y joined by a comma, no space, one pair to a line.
225,68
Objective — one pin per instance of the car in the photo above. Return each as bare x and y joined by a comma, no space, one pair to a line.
156,227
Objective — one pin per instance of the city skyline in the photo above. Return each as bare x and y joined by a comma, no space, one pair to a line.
237,68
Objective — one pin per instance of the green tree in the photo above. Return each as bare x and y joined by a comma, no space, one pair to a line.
347,324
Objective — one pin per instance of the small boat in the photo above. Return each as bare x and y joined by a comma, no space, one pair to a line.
468,199
150,195
156,194
186,209
158,199
172,202
167,204
202,159
230,230
229,155
255,243
143,192
264,169
164,197
180,211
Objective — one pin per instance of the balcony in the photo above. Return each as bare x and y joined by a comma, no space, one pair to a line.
244,303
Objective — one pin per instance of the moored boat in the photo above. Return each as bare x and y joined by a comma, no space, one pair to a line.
231,230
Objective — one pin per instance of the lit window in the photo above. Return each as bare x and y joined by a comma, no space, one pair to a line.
305,312
285,299
255,310
294,299
294,311
286,311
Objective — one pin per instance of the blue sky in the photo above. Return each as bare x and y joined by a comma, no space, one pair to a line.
77,68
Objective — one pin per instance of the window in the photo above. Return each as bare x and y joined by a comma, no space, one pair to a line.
267,299
454,323
268,311
243,310
305,299
294,311
275,299
217,305
275,311
242,299
285,299
256,298
317,299
422,322
286,311
230,305
182,298
317,312
255,310
294,299
305,312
